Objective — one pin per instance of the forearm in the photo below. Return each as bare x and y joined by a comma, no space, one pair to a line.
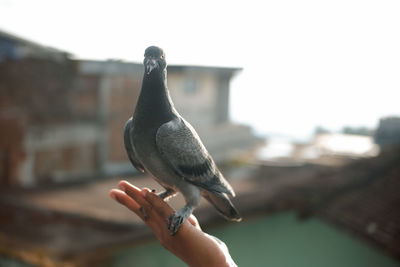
201,251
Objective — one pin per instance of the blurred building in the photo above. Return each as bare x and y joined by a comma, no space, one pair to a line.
324,148
35,102
336,145
62,119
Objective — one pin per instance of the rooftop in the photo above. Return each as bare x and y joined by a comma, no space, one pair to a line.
29,48
361,198
119,66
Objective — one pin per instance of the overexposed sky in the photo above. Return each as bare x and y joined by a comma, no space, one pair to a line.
306,63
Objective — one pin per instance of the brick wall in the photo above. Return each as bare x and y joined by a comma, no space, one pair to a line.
84,98
64,163
37,97
123,97
12,154
38,88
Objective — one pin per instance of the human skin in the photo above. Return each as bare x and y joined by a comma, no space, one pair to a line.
190,243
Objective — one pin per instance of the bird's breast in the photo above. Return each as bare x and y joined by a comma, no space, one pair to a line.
144,143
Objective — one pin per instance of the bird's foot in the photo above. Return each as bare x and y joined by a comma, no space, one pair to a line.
174,222
166,194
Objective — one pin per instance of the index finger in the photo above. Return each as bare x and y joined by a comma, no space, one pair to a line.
135,193
122,198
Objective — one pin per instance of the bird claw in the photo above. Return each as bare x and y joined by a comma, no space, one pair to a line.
174,222
166,194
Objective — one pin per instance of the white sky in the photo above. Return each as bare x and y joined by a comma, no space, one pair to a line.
306,63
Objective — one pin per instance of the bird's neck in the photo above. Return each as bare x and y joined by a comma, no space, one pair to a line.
154,101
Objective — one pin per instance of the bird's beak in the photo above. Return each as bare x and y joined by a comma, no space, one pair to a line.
150,65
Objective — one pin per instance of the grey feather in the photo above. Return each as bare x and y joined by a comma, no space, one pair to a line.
223,204
182,148
129,148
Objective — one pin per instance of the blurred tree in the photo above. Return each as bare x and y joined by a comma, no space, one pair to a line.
358,131
321,130
388,132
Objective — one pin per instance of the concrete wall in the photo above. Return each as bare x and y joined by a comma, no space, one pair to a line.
194,96
59,153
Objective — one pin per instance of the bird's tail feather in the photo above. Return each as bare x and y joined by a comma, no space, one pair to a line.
223,204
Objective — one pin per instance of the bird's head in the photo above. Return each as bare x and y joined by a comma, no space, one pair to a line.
154,58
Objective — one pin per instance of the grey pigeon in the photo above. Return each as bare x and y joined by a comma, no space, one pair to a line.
159,141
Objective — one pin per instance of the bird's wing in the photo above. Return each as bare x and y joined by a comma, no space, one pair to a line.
181,147
129,148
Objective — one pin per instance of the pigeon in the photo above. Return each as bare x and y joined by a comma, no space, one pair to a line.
159,141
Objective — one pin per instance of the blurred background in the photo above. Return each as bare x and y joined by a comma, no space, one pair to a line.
297,101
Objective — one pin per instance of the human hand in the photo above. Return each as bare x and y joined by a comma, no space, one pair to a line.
190,243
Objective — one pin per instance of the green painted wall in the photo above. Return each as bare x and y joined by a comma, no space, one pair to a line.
279,241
